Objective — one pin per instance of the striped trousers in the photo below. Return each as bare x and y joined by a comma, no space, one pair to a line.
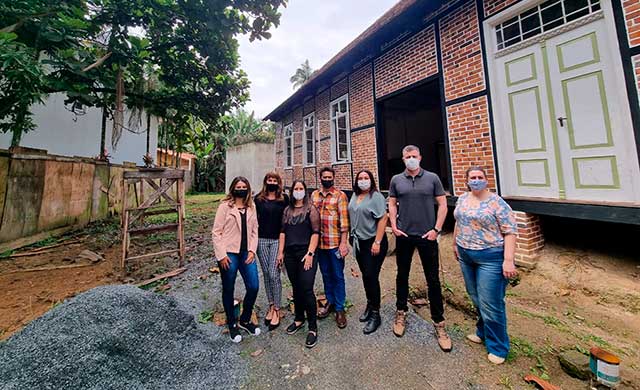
267,256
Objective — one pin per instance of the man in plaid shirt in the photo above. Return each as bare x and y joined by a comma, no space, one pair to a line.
334,235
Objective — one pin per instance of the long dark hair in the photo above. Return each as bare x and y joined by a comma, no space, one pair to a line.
290,217
248,201
262,195
373,187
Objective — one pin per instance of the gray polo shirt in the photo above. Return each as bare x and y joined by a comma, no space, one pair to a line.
416,200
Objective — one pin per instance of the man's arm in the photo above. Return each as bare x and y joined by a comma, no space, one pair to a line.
432,234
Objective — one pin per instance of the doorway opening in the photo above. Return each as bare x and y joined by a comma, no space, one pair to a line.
413,117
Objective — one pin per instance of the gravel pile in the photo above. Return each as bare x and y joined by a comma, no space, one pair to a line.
118,337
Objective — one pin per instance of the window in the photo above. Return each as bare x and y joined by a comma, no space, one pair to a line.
542,18
340,132
288,145
308,131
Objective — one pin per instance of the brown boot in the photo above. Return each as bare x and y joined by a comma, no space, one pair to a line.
323,312
400,323
341,319
444,341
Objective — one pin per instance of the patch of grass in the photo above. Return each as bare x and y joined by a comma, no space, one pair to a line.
522,348
205,316
46,242
448,287
456,330
6,254
505,381
154,285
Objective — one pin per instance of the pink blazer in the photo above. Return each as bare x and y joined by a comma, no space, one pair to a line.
227,234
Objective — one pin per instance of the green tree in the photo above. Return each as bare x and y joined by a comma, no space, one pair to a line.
303,73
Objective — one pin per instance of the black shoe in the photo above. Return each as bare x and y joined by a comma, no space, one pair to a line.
234,334
366,314
293,328
272,327
373,323
312,339
250,328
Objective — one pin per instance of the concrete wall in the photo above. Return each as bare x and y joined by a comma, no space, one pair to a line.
41,192
252,160
63,133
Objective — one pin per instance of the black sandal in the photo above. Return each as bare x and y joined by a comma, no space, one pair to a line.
293,328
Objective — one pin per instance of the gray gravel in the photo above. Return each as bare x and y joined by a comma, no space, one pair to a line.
118,337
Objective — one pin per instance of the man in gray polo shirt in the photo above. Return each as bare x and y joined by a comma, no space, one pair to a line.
412,197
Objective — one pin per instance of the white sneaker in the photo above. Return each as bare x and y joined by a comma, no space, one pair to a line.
234,334
495,359
474,338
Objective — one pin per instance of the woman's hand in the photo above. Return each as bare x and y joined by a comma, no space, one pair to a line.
308,262
251,257
280,260
455,252
509,269
375,249
224,263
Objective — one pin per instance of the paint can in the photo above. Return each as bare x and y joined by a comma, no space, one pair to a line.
605,367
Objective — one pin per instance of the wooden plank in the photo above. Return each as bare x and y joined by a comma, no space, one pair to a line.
153,254
628,215
153,229
155,196
166,196
125,239
180,195
158,211
166,174
16,271
169,274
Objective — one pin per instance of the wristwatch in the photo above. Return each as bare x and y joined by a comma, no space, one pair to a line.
437,230
310,254
377,242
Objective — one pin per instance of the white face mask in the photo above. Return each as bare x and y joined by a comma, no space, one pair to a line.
412,163
298,195
364,184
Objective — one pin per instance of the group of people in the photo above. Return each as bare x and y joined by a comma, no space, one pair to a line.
304,232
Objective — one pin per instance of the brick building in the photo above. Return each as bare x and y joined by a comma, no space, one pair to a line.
543,94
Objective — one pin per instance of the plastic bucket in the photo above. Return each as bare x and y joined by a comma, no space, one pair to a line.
605,366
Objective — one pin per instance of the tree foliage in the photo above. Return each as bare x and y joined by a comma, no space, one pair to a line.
303,73
177,59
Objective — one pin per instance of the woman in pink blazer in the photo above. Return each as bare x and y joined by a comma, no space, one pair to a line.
235,241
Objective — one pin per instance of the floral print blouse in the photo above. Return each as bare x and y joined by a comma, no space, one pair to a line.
483,226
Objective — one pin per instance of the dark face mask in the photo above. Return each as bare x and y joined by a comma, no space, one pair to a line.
240,193
272,187
327,183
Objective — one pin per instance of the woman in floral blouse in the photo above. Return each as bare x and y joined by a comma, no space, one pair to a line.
485,240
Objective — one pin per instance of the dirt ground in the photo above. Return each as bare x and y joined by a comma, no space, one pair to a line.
573,299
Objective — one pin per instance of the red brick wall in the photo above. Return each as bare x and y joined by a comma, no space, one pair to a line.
361,97
340,88
322,117
363,150
493,6
462,55
343,179
530,238
288,177
470,141
311,177
407,63
632,15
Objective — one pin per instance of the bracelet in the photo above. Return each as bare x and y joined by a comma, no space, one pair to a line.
377,242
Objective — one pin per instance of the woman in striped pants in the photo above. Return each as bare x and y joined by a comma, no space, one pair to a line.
270,204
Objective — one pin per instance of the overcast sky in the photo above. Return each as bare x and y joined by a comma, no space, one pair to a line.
309,29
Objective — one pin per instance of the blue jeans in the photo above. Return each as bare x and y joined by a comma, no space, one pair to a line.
249,273
332,269
482,271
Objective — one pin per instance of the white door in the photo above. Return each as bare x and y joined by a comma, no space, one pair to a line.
595,136
525,139
563,126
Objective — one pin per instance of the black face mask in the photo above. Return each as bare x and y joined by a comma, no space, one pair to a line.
327,183
272,187
240,193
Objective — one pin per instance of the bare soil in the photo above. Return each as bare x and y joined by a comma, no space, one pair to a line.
573,299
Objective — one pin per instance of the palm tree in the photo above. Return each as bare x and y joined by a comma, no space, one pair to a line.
303,73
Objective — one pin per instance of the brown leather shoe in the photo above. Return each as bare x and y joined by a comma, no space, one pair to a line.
323,312
444,341
341,319
400,323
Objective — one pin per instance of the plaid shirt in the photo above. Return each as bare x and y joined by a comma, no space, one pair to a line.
334,216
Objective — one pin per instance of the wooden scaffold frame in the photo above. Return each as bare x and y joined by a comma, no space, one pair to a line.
152,206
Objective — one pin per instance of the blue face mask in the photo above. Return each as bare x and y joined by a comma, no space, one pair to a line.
477,184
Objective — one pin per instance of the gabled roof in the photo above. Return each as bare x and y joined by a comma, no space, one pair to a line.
363,45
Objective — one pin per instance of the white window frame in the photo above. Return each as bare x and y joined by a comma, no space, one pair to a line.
334,128
306,129
287,135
